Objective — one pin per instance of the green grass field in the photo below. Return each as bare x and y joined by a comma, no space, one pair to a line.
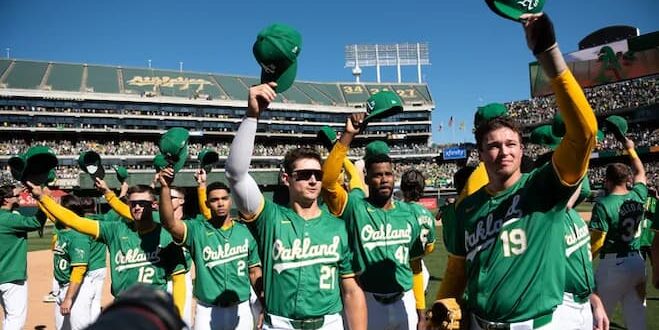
436,264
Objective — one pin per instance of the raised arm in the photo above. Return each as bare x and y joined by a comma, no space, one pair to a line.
638,170
176,227
246,193
64,215
334,194
115,202
200,176
572,155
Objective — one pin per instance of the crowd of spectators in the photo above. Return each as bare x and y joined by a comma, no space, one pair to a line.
603,99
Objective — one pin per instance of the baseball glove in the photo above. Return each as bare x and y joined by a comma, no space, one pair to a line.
445,314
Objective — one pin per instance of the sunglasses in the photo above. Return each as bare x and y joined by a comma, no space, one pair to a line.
141,203
303,175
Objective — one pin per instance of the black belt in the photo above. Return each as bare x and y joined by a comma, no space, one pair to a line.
387,299
488,325
312,323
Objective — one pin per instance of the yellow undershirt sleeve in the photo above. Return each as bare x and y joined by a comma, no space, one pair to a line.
178,291
573,154
201,197
69,218
333,193
417,284
117,205
77,273
455,280
477,180
597,239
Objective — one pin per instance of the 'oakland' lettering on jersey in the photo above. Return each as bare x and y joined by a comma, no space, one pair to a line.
303,249
486,230
136,258
385,236
224,253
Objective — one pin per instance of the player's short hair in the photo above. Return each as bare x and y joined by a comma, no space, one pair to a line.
376,159
88,204
412,183
180,190
141,188
217,185
72,203
7,191
496,123
294,155
617,173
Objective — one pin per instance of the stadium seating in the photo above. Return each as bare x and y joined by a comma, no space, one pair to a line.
65,77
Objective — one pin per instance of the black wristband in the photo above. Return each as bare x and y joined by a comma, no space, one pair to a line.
543,30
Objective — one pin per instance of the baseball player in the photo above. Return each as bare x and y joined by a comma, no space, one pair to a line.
141,251
304,250
13,257
254,299
76,262
225,258
412,184
385,236
615,233
509,230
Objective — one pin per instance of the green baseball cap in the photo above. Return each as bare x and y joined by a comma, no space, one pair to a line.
39,161
207,159
326,136
159,162
122,173
513,9
489,112
542,135
52,176
617,126
382,105
16,167
174,147
558,125
276,50
375,148
600,136
90,163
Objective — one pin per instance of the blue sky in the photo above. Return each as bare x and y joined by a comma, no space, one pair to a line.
476,57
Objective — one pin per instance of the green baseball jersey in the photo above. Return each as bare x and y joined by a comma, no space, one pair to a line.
620,216
647,235
384,241
303,261
426,221
513,243
13,240
222,259
449,228
149,258
71,249
579,278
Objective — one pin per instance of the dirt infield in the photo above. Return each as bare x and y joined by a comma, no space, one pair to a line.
40,276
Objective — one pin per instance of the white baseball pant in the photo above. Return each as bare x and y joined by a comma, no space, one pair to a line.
13,298
237,317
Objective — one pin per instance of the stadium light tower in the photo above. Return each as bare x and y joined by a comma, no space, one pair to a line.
378,55
7,49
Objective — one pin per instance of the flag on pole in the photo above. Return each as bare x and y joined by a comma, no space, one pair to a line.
450,122
462,125
441,125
